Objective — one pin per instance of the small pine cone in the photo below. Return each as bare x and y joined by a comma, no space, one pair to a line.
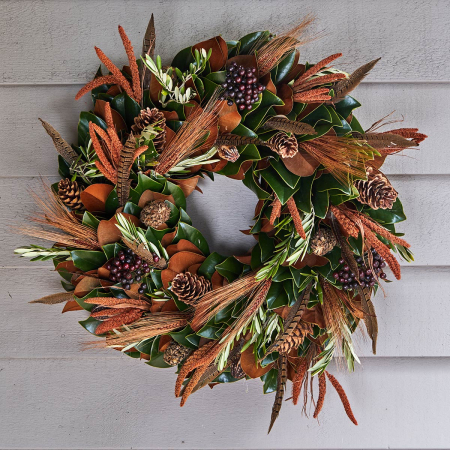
228,152
376,191
286,146
69,192
323,241
189,288
297,337
175,353
151,117
236,369
155,213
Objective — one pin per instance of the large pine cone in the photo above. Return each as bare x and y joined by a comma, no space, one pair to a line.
69,192
228,152
155,213
323,241
296,338
175,353
189,288
151,117
286,146
376,191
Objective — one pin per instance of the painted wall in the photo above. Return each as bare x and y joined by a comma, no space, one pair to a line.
54,395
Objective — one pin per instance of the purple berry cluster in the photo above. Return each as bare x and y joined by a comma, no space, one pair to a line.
366,275
127,267
241,86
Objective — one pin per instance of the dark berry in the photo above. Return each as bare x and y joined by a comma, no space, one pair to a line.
116,262
147,269
156,258
230,102
241,106
108,266
336,275
114,270
368,272
127,287
341,261
383,275
126,266
383,265
346,268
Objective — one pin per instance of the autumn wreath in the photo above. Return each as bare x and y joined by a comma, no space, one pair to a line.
324,222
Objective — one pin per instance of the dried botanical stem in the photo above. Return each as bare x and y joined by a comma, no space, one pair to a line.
271,53
116,144
296,217
341,156
212,302
318,67
191,134
322,392
95,83
276,210
147,327
298,379
342,396
384,251
127,317
136,82
112,302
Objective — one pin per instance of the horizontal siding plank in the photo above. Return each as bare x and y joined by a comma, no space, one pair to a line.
40,331
119,404
63,34
33,153
426,201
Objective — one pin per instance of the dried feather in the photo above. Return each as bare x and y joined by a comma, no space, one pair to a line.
62,147
344,87
318,67
281,387
145,254
386,141
123,170
235,140
148,48
284,124
54,299
291,322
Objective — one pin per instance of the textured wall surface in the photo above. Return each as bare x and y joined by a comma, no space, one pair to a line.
53,395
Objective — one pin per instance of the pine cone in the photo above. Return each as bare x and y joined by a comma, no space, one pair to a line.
323,241
228,152
286,146
175,353
155,213
296,338
189,288
151,117
376,191
69,192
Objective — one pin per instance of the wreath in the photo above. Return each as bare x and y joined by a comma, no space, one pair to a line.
324,222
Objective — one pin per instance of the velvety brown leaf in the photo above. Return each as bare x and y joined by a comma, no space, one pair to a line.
94,197
183,245
301,164
71,305
180,261
148,196
249,365
118,121
86,285
219,53
107,231
229,118
285,92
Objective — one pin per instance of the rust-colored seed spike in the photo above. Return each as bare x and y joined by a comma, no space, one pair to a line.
117,321
342,396
298,379
135,79
322,392
276,210
296,218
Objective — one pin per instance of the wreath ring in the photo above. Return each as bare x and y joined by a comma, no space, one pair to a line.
324,221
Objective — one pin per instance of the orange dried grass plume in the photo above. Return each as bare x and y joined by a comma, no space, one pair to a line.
343,397
54,213
271,53
341,156
133,90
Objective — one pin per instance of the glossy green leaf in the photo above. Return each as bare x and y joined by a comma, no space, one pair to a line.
346,106
387,216
83,126
278,185
276,297
90,220
303,196
190,233
270,381
248,42
282,69
180,337
208,266
183,58
230,268
126,107
87,260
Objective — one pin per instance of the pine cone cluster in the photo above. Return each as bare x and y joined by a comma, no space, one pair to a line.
297,337
70,193
286,146
151,117
155,213
189,287
228,152
175,353
376,191
323,241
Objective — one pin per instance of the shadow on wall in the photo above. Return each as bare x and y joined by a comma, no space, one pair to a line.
225,207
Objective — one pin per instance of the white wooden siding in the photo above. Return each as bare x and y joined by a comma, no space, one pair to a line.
54,395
